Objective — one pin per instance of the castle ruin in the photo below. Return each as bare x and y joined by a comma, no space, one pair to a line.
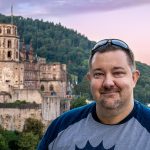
26,77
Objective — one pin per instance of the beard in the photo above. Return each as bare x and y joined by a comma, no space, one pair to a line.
110,98
111,104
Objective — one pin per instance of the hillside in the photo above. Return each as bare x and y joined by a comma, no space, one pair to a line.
57,43
142,90
54,42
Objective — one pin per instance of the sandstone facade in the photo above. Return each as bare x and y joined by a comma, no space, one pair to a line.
24,76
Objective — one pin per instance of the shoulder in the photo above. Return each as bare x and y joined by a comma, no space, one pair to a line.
77,114
63,122
73,116
143,115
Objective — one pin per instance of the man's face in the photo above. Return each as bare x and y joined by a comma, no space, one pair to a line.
112,80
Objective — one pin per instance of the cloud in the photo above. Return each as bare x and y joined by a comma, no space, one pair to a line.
55,8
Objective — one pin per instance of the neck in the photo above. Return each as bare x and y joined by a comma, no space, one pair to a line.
113,116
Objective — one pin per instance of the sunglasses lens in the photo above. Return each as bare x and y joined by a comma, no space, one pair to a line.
115,42
120,43
100,43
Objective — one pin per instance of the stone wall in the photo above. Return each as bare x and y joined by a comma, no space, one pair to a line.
50,108
28,95
13,119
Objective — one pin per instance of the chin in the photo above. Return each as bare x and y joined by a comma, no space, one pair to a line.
110,103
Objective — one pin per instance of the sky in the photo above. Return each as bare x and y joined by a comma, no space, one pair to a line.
128,20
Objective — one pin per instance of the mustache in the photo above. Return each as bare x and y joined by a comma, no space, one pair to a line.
109,90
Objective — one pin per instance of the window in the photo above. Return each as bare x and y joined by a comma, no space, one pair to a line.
8,31
0,30
9,54
53,93
42,88
9,44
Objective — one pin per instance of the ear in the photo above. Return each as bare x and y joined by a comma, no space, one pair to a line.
135,76
88,76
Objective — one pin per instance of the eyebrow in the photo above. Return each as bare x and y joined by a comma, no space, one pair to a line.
97,69
117,68
114,68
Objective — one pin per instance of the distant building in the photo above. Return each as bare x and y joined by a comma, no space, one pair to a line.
24,76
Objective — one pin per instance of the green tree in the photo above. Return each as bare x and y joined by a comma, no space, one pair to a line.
77,102
3,143
83,88
28,141
11,138
33,125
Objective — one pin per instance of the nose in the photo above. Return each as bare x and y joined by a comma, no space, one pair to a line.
108,82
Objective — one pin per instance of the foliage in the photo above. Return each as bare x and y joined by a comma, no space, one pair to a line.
142,92
10,138
77,102
33,125
3,143
83,88
1,128
19,104
28,141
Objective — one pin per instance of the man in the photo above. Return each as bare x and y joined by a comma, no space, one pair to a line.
115,121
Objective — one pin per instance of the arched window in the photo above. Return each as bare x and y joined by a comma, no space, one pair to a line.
9,44
8,31
42,88
52,91
51,87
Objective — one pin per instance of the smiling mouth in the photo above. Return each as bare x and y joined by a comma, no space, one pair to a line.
109,93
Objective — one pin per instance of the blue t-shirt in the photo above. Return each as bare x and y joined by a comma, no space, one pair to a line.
80,129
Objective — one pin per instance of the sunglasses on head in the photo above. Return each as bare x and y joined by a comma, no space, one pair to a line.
115,42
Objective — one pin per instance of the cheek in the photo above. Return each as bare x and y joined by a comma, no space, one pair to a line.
126,85
95,85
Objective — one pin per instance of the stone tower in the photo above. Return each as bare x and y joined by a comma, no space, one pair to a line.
11,71
9,43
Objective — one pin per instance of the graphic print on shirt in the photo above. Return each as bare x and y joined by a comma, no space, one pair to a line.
88,146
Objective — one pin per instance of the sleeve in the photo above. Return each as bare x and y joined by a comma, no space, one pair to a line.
49,135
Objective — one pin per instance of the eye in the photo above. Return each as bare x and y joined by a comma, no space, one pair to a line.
119,74
98,75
